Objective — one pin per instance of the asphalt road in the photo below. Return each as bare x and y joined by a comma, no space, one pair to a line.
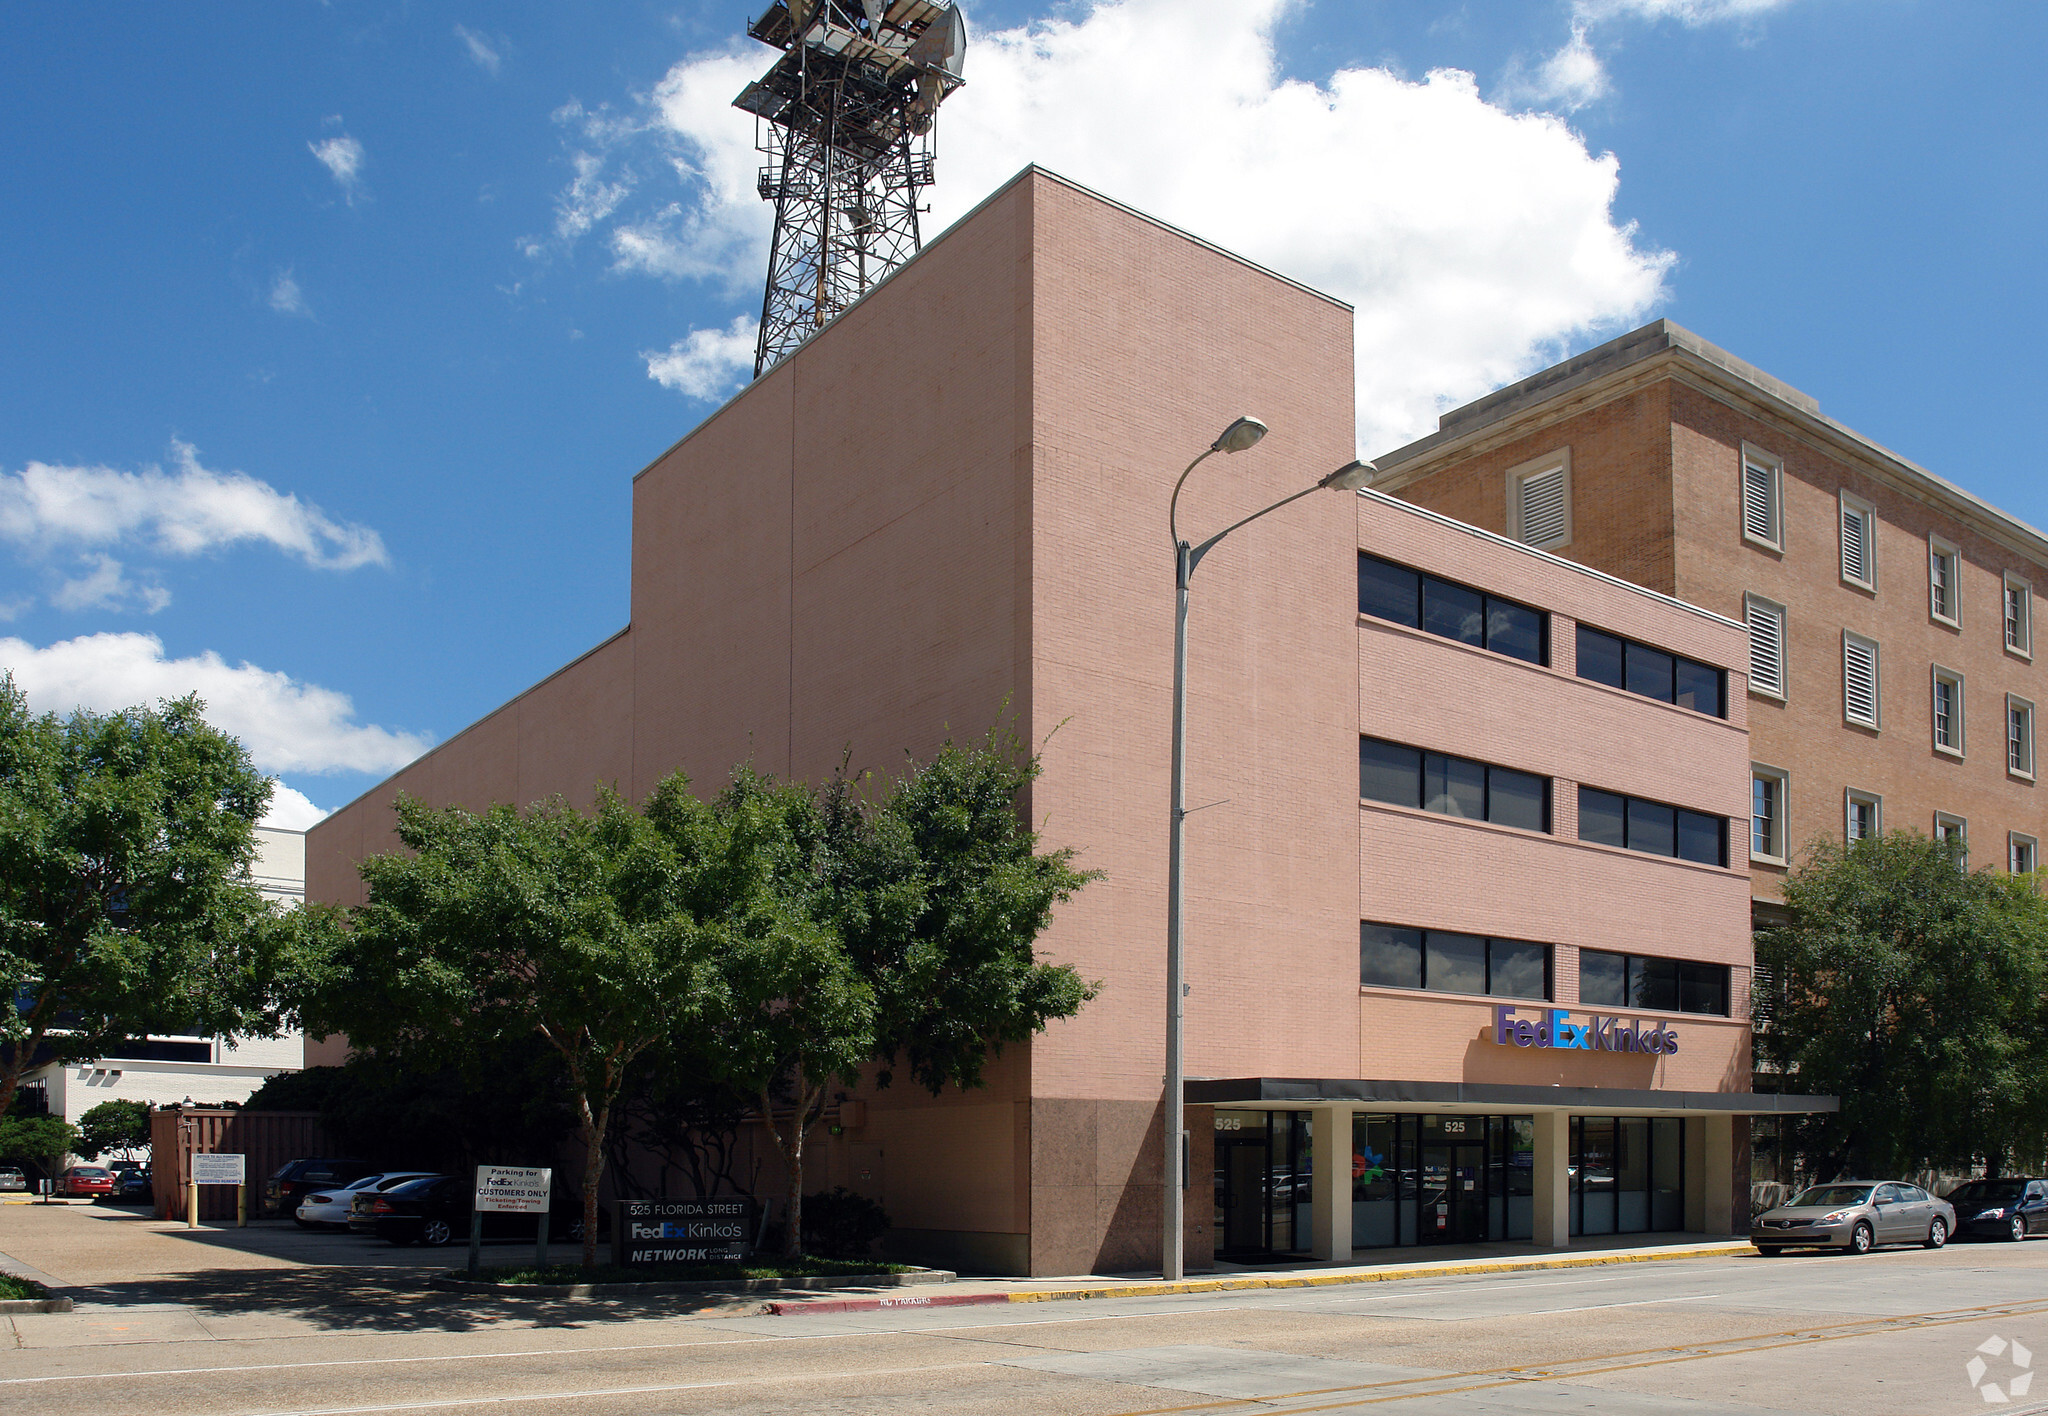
1893,1332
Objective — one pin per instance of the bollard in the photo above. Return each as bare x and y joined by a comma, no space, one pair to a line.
241,1206
476,1242
540,1243
192,1205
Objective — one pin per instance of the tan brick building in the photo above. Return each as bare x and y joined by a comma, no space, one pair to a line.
1892,674
950,505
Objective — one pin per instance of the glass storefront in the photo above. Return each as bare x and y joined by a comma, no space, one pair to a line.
1424,1179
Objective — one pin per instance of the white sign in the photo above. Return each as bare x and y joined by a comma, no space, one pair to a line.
209,1168
512,1189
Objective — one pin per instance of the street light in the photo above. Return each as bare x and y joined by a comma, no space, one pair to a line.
1237,437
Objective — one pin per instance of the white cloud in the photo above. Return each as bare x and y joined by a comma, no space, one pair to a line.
1575,75
1693,13
1475,242
482,52
1571,78
185,511
288,726
291,810
342,156
588,199
710,363
107,587
285,296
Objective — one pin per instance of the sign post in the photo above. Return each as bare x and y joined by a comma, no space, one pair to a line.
218,1168
509,1189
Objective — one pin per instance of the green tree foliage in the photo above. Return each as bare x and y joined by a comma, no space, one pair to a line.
125,905
1917,992
113,1126
39,1142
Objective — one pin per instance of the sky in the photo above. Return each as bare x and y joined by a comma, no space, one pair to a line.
332,335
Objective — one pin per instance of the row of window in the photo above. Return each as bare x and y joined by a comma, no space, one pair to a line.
1408,597
1452,786
1668,678
1862,694
1438,961
1610,819
1862,818
1763,487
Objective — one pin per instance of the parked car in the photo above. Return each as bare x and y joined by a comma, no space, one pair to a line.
330,1208
298,1178
11,1178
2010,1208
1856,1215
135,1187
436,1211
89,1181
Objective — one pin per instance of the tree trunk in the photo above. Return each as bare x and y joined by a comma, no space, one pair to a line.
791,1146
593,1171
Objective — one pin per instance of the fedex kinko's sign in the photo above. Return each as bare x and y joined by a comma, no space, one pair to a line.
1553,1027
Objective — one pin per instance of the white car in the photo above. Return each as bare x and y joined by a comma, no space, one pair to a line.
328,1208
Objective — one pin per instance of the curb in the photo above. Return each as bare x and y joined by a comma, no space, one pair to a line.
451,1284
873,1305
1330,1280
35,1305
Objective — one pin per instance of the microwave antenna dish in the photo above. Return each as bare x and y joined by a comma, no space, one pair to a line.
844,118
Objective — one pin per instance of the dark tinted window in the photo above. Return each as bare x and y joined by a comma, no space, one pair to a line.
1389,772
1517,799
1602,817
1703,988
1599,657
1516,970
1454,787
1699,688
1389,957
1603,979
1453,611
1655,984
1652,828
1454,963
1514,630
1629,981
1389,592
1700,838
1648,672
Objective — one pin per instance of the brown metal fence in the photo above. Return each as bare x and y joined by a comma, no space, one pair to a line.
266,1138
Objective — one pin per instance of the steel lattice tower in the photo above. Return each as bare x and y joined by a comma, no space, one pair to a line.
845,120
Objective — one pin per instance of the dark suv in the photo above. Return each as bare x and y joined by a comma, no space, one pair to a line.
294,1178
2011,1208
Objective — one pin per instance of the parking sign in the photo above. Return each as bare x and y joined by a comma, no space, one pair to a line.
512,1189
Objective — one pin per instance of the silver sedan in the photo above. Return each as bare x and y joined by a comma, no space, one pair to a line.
1856,1215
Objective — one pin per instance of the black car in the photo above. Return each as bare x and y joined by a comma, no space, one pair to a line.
436,1211
295,1178
2011,1208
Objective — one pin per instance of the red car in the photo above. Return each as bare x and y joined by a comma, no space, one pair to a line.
91,1181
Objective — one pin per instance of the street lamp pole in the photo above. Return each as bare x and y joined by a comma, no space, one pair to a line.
1236,438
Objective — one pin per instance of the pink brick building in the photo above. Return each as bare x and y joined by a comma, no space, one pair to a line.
950,506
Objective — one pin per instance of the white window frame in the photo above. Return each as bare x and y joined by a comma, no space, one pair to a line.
1937,551
1750,604
1774,469
1853,505
2015,703
1942,821
1876,718
1781,826
2024,648
1961,724
2013,841
1850,800
1559,461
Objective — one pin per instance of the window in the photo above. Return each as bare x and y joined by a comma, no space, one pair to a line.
1954,832
1452,786
1859,523
1404,596
1540,501
2019,736
1443,962
2019,616
1668,678
1942,563
1610,819
1865,816
1671,985
1766,645
1948,711
2022,853
1859,679
1762,498
1767,793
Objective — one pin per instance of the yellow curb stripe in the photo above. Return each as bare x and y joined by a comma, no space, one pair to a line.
1331,1280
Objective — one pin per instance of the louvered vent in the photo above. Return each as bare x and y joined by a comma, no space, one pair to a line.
1759,502
1766,647
1859,681
1855,546
1541,514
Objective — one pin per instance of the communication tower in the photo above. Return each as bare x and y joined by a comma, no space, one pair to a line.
844,118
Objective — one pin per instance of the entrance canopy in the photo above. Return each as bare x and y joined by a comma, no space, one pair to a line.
1283,1092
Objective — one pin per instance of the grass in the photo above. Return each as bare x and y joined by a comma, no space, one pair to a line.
12,1287
806,1267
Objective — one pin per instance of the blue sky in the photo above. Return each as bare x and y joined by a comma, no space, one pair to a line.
335,333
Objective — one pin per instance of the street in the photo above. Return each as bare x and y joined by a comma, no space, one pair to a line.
213,1330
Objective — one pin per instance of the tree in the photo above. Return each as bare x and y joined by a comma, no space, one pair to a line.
38,1141
506,924
125,904
113,1126
1917,992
